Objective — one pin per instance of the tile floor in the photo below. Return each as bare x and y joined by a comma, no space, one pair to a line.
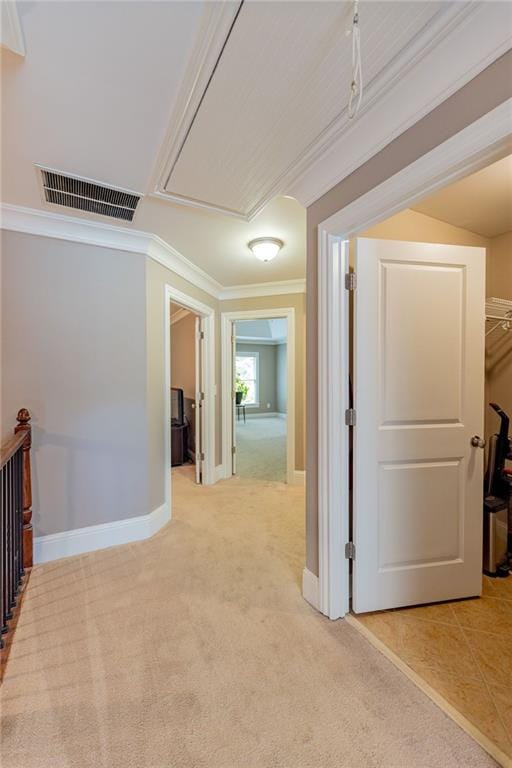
461,649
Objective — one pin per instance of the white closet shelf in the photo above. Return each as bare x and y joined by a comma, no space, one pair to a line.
498,311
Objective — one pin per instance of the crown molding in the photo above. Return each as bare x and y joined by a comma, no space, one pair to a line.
49,224
252,290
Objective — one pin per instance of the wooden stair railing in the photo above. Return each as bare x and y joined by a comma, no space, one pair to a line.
16,543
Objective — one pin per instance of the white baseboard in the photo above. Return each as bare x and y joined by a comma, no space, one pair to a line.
262,415
93,537
310,588
299,477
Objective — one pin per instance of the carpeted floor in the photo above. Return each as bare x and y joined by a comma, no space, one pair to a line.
261,449
195,649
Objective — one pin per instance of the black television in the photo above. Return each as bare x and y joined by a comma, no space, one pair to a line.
177,412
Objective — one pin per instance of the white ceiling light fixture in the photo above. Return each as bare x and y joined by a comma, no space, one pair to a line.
265,248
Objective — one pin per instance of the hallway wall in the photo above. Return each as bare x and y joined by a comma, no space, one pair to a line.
74,354
83,349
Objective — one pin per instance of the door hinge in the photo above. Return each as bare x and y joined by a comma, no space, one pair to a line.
350,281
350,550
201,397
201,456
350,417
201,335
233,449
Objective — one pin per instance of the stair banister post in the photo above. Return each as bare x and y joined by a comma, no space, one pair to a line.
23,425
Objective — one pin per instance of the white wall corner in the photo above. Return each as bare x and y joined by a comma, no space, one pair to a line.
93,537
310,588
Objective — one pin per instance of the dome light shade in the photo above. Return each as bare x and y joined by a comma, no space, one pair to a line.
266,248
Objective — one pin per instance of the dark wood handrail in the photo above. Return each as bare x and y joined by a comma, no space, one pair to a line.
9,447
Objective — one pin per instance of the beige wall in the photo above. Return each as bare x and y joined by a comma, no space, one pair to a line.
498,348
482,94
410,225
298,302
183,355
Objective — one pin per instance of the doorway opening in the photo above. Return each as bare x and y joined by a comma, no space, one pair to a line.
185,392
261,390
258,404
431,368
189,389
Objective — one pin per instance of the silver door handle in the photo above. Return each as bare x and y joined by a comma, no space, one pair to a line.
477,442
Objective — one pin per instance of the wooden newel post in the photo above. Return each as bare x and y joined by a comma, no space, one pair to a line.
23,419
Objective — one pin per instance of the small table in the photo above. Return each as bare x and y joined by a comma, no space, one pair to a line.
240,407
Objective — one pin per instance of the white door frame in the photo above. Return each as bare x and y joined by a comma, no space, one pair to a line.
227,318
481,143
172,294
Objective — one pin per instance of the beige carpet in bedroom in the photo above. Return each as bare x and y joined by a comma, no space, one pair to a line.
195,649
261,449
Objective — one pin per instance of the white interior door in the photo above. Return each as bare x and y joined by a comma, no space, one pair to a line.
419,399
233,396
199,410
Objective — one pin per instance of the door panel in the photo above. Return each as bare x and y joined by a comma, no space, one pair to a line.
419,396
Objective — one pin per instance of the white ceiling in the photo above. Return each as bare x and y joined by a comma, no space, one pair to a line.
107,91
94,92
281,81
481,203
273,331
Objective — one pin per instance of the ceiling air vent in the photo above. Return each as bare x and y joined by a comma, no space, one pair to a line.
87,195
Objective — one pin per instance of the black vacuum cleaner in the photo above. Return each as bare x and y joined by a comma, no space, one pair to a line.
497,559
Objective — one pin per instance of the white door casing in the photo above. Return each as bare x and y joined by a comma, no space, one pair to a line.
419,399
199,411
227,366
483,142
233,397
207,368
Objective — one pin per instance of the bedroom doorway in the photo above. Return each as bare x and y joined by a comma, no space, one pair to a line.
258,403
261,398
189,392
